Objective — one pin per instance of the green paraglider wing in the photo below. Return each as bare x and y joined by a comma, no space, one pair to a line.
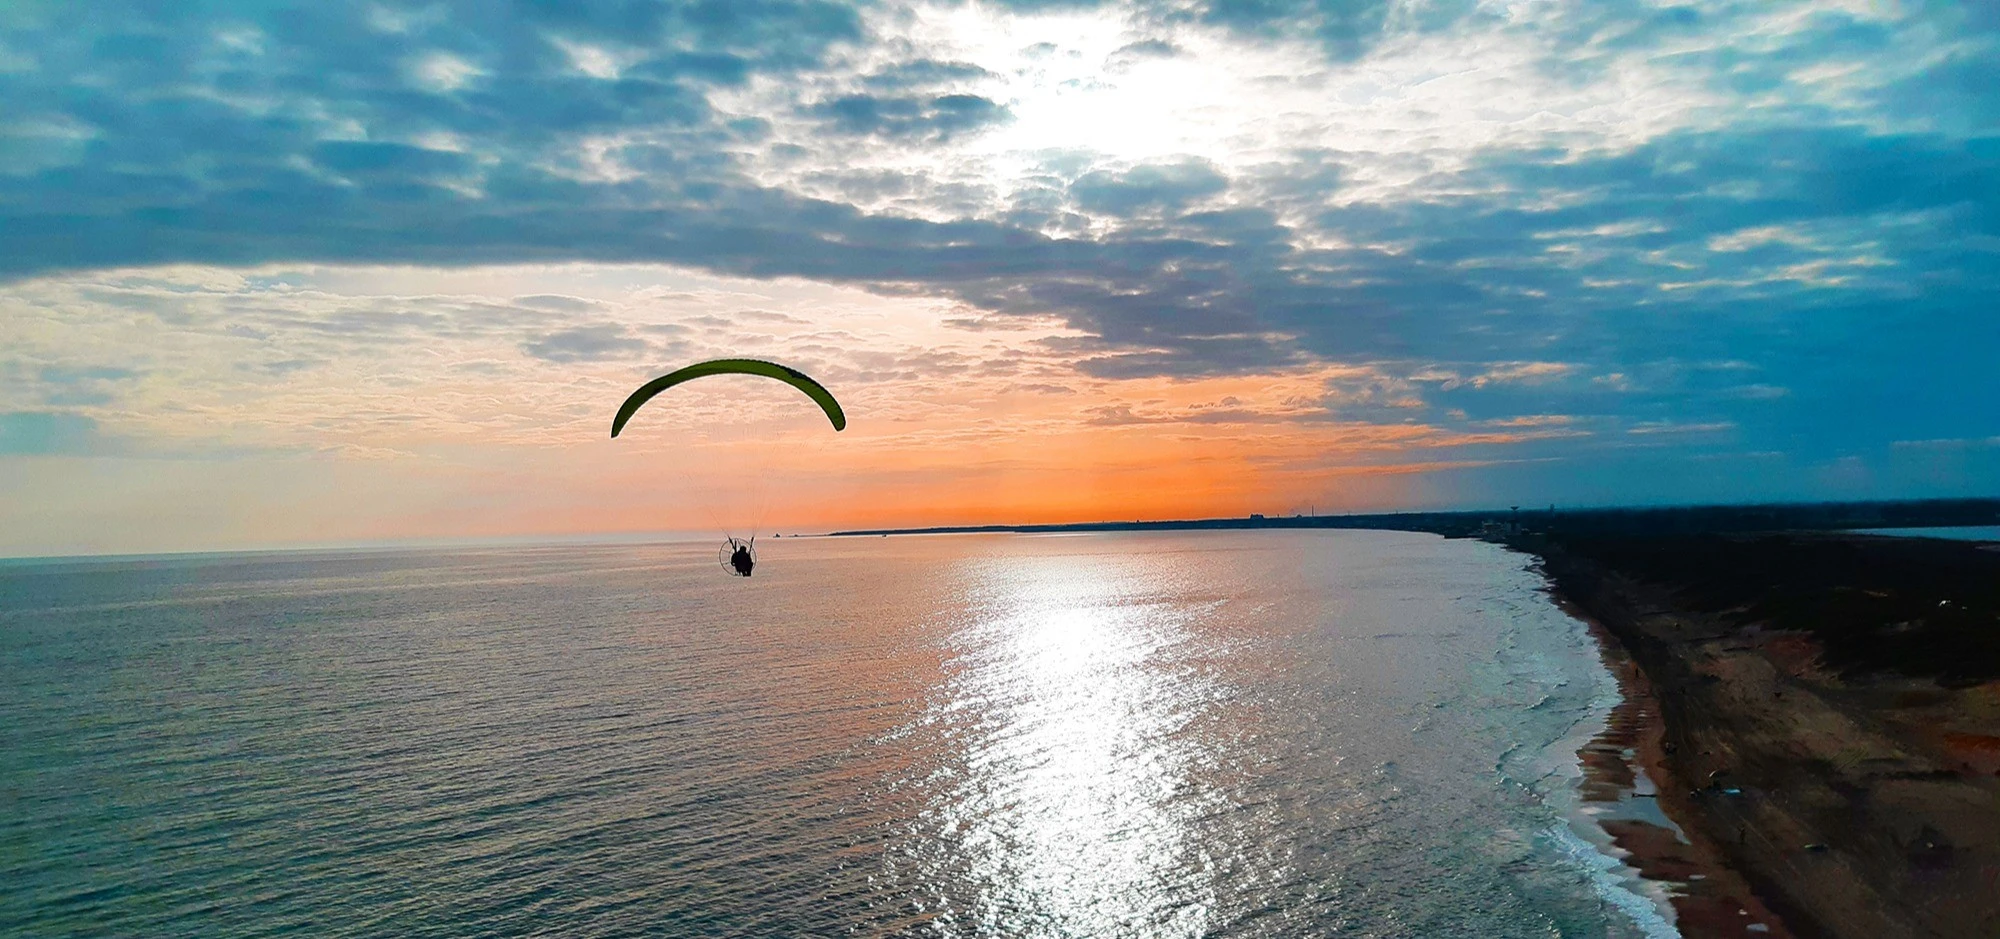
789,376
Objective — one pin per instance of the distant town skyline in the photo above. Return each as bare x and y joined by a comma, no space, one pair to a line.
276,275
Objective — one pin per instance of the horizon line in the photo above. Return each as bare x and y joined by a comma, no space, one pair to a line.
1250,520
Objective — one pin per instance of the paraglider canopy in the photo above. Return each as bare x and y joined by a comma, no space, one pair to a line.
789,376
738,555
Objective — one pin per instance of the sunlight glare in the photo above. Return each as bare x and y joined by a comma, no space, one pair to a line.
1069,816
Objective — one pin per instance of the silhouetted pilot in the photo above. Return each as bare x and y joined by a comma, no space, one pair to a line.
741,560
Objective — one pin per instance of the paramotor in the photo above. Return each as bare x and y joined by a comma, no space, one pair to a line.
738,555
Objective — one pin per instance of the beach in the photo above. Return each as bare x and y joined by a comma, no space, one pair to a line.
1818,716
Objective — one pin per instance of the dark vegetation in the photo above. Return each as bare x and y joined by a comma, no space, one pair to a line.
1925,608
1827,712
1665,520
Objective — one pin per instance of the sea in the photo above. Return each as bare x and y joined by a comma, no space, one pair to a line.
1954,533
1175,734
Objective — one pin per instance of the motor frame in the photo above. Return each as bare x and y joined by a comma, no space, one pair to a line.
728,551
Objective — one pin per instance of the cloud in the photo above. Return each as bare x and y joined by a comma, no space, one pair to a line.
396,359
924,73
1122,415
1346,27
556,304
936,118
1948,444
1147,188
81,385
1669,427
1496,373
586,344
1188,191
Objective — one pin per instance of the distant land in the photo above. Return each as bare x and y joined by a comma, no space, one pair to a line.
1652,520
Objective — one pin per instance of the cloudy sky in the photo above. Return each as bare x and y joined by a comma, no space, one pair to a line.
319,273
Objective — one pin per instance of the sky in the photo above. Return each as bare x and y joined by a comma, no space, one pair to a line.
308,274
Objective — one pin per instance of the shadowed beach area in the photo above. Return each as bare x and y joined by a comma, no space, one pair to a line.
1820,717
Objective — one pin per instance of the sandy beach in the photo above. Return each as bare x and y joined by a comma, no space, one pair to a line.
1819,719
1625,770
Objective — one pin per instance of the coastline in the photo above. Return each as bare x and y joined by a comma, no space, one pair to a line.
1625,791
1800,764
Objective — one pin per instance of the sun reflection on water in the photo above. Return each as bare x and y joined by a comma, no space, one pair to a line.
1069,812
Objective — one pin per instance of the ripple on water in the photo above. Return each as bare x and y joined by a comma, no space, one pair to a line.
1231,734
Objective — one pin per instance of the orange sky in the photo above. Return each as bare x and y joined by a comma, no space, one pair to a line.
394,281
331,405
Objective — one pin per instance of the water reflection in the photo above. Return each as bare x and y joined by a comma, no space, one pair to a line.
1067,806
1250,735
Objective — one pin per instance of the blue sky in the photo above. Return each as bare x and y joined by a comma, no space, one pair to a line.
279,274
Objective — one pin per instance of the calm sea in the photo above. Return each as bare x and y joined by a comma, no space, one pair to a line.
1185,734
1960,533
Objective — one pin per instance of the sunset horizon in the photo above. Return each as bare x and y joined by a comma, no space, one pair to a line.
380,273
1275,468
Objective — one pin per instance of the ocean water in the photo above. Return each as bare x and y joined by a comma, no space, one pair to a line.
1955,533
1337,733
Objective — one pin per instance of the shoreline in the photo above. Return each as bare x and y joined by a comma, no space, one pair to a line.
1624,792
1818,717
1627,521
